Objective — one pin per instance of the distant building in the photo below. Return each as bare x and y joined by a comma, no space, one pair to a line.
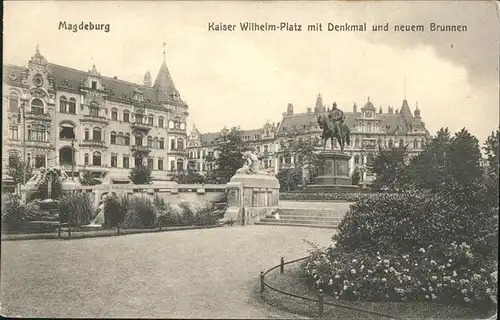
369,129
83,120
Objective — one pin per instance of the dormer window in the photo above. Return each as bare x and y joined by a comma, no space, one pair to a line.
138,96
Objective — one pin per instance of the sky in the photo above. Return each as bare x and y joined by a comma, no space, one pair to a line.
248,78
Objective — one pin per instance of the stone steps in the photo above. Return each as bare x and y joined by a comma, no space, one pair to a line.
308,214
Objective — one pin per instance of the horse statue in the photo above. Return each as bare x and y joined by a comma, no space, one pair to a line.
333,127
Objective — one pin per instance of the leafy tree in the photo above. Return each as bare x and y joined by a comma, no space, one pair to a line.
388,166
306,157
229,149
356,176
17,170
289,179
140,174
88,179
191,177
491,150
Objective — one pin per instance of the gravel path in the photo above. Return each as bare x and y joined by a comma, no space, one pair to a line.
210,273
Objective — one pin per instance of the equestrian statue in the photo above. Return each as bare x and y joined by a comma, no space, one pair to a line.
334,127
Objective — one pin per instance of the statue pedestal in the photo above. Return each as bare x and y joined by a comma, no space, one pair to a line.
333,174
251,197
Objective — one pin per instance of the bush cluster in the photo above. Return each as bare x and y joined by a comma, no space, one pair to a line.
141,211
77,208
15,213
453,275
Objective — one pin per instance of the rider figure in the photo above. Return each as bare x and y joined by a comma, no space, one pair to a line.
336,117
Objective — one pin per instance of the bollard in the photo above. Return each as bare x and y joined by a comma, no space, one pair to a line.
320,302
282,265
59,233
69,231
261,282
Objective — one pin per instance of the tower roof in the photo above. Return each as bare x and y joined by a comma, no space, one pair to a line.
164,84
405,110
319,102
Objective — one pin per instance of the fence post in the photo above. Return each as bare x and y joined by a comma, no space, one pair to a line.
59,231
282,265
320,302
261,282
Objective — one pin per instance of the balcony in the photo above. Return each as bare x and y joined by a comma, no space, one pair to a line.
94,119
177,131
38,116
142,149
93,144
178,152
140,126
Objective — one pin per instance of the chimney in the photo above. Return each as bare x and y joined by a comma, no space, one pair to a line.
147,79
355,108
309,110
289,109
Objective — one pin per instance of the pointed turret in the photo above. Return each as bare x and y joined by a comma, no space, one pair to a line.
147,79
405,110
417,111
319,104
165,85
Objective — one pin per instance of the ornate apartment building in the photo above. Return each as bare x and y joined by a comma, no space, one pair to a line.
370,127
58,116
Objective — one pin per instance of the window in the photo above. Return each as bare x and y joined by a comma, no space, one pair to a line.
172,144
126,116
180,144
13,133
63,105
172,165
198,154
150,163
356,143
40,161
67,131
37,106
160,164
198,166
114,115
96,135
415,144
401,143
138,140
114,161
86,159
160,122
37,133
96,158
113,138
138,118
138,161
162,143
94,85
13,102
125,162
390,145
180,164
266,148
150,142
356,159
72,106
151,120
422,143
87,135
204,166
126,139
94,109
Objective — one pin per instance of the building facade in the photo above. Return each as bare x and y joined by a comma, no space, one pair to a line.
58,116
370,128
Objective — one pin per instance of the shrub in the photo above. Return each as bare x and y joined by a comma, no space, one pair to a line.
141,212
140,174
453,275
15,213
115,209
76,207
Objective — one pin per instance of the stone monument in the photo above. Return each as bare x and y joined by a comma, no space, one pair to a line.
253,192
333,171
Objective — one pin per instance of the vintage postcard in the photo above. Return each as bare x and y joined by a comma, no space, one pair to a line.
250,159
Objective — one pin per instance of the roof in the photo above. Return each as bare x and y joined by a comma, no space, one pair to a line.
70,79
302,122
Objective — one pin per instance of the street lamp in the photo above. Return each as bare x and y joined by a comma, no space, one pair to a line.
73,159
22,115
